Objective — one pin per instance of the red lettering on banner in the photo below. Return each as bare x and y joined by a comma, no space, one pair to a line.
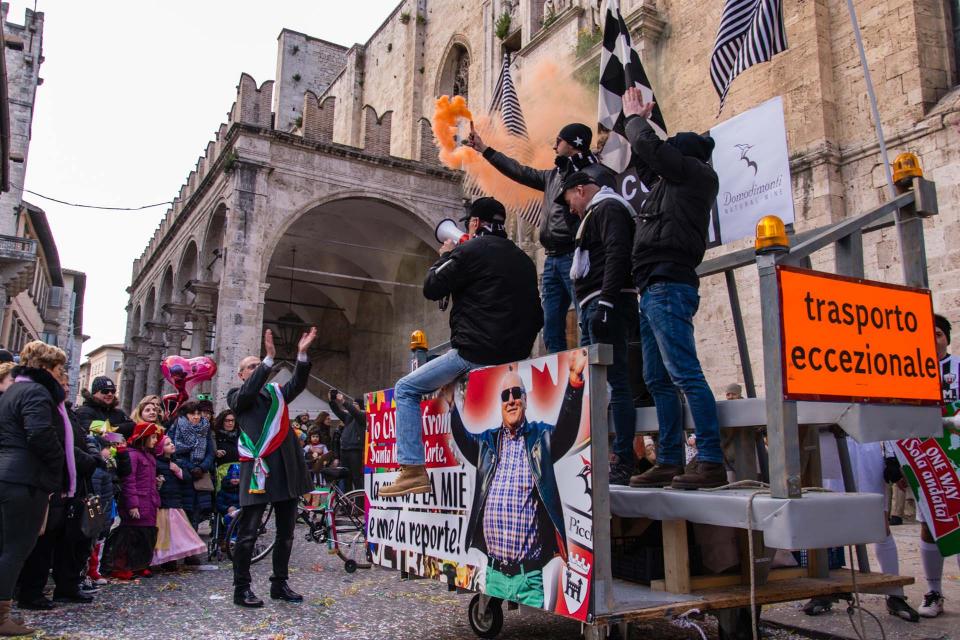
926,458
437,440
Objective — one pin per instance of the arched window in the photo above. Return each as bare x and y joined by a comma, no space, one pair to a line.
455,73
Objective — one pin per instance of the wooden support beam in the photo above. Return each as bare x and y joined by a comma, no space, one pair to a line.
676,558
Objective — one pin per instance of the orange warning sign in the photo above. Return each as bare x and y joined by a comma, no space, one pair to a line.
856,340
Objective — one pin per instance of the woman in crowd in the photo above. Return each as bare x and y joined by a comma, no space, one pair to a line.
6,379
226,435
129,549
33,464
195,454
63,547
148,410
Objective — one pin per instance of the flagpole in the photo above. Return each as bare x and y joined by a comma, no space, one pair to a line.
873,101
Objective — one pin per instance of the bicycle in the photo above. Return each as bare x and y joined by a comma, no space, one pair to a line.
340,523
261,548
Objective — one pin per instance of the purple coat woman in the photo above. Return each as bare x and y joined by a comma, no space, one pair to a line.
129,548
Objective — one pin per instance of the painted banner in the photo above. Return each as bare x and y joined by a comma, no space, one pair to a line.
510,511
932,469
855,340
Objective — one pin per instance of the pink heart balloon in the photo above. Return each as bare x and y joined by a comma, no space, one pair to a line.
185,374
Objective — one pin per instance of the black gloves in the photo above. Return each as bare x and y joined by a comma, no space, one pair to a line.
602,324
891,470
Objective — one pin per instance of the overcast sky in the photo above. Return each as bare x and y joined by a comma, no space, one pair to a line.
132,93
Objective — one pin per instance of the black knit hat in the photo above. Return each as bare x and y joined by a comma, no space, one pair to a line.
943,324
693,144
488,210
572,180
102,383
576,135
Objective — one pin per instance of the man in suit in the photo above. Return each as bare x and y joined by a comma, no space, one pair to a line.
272,468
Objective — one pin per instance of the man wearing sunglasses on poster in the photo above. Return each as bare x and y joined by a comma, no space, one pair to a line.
495,318
516,518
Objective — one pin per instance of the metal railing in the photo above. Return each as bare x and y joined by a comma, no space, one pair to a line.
17,247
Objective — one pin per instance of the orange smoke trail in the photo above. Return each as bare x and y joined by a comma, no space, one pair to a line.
549,100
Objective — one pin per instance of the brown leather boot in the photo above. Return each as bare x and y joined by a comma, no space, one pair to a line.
9,626
701,475
413,478
660,475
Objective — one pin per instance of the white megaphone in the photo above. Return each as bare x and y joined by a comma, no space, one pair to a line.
448,230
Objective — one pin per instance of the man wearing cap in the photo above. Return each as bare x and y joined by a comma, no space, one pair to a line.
557,225
101,403
669,244
494,319
607,297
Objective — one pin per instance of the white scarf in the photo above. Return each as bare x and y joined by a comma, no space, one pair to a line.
581,259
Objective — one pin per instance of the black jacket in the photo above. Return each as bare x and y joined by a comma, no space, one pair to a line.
227,441
93,410
557,225
174,489
31,432
496,312
605,236
354,426
250,403
674,220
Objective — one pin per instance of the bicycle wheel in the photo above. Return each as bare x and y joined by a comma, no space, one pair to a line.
349,530
265,535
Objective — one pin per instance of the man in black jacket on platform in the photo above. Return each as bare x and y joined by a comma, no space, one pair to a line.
495,319
558,225
272,469
671,238
607,298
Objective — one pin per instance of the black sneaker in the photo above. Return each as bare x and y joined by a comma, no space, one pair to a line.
895,521
818,606
620,473
897,606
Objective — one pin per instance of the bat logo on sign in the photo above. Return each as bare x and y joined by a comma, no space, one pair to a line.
743,156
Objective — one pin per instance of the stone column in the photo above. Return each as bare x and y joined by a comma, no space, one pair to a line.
140,370
127,378
156,347
176,330
200,313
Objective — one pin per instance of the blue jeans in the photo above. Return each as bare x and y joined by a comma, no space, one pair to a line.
408,393
556,295
670,365
618,373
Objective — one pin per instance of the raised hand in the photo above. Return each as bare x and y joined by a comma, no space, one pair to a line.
268,345
306,340
633,104
474,141
578,362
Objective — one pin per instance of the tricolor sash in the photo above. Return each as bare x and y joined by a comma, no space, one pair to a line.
275,429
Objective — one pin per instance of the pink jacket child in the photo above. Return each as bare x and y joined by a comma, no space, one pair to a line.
139,490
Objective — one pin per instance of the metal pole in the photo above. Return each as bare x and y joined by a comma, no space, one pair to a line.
782,432
600,356
850,486
742,347
903,236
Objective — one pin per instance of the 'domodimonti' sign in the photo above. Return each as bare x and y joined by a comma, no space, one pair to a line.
856,340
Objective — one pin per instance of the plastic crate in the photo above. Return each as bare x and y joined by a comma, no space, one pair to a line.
835,558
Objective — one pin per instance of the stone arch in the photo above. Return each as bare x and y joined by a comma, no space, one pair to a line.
165,292
149,307
136,322
188,268
453,75
211,255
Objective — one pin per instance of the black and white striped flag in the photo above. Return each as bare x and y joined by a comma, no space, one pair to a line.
751,32
620,69
507,104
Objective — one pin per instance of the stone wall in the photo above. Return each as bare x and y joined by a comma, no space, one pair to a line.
303,64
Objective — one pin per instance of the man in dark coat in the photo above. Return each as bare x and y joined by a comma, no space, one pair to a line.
495,318
101,403
671,238
286,477
354,420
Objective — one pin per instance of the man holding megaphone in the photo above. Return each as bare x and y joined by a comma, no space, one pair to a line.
495,318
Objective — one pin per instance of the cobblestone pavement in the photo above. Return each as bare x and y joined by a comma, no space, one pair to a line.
372,604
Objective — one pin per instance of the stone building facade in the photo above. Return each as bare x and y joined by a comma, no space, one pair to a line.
316,200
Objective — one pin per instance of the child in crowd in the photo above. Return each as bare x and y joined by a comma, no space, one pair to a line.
228,498
105,485
129,548
176,538
317,455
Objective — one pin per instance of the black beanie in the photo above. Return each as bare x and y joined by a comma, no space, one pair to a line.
102,383
488,210
943,324
576,135
692,144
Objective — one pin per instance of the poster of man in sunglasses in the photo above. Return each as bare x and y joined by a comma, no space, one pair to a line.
517,517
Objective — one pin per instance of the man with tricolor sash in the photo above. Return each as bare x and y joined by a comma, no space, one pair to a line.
272,468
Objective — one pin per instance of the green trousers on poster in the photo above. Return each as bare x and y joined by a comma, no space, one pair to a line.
525,587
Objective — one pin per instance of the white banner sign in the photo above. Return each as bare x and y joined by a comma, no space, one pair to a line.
751,160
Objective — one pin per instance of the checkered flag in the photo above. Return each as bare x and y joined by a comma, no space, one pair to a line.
751,32
620,69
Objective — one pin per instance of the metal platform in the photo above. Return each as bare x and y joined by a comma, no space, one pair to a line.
862,422
854,518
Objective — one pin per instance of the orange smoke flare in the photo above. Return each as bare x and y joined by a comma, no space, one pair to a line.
549,100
